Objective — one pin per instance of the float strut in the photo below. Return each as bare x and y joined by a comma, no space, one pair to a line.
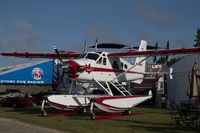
91,110
44,113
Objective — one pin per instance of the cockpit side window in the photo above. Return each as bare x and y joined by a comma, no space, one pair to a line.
122,64
104,61
115,64
125,66
99,60
92,56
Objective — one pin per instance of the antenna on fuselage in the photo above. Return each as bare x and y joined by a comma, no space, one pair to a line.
85,47
132,59
96,43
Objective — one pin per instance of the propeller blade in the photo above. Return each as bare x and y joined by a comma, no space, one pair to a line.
55,49
154,59
156,46
60,79
57,52
167,47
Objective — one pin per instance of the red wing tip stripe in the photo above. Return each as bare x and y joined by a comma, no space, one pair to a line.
116,109
50,55
115,116
101,99
157,52
60,106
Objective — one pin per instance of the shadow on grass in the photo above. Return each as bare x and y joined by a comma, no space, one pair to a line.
159,128
152,109
36,111
124,121
166,128
32,110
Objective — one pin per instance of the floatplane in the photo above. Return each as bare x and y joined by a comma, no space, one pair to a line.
107,70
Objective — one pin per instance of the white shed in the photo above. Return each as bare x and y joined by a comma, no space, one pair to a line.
177,87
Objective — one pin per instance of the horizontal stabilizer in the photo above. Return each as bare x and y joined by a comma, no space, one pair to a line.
171,73
150,93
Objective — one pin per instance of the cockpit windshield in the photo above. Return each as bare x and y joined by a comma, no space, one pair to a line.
92,56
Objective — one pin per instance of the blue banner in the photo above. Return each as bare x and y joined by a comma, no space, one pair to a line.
38,73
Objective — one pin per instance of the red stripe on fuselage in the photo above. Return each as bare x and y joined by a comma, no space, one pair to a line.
97,69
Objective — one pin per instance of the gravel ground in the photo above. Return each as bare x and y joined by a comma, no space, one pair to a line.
14,126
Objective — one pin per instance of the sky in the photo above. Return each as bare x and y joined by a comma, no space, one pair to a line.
38,25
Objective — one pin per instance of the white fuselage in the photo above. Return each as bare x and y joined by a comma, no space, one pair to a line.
104,69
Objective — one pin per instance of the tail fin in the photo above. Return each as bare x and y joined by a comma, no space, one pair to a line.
140,62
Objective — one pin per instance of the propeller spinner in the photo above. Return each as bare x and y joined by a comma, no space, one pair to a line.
70,67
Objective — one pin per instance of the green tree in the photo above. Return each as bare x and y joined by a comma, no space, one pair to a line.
197,40
161,60
173,61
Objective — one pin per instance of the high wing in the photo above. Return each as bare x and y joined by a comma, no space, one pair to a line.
42,55
132,53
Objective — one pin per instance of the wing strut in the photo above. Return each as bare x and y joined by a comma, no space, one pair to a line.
130,69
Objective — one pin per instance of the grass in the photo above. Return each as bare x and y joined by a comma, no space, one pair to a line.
151,120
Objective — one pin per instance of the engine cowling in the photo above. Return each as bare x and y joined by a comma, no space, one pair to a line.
72,68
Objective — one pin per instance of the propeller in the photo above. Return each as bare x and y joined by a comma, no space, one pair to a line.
64,66
63,69
57,52
167,47
156,48
69,67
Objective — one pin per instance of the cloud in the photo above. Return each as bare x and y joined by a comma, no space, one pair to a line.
139,33
182,43
92,31
104,34
23,26
21,36
159,17
1,30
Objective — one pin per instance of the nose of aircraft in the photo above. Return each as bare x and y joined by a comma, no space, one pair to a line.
72,68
